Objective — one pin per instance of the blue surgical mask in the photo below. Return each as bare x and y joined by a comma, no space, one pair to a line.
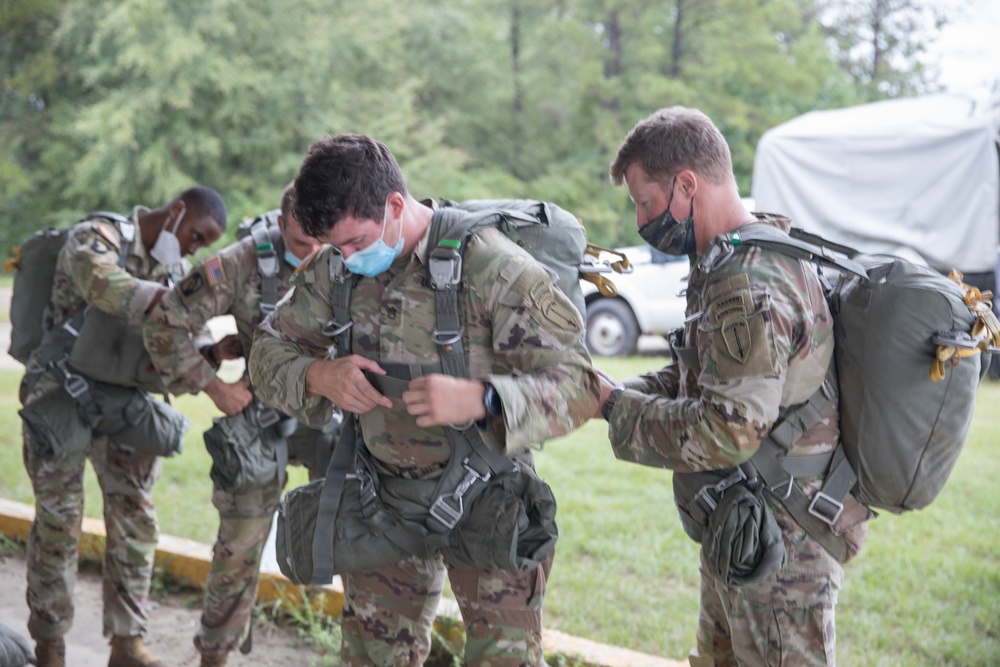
292,260
377,257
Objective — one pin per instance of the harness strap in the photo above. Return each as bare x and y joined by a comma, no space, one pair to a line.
341,463
268,263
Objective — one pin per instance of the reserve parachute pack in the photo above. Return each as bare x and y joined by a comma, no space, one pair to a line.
270,252
911,346
35,264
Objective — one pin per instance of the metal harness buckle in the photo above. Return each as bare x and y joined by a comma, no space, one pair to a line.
75,385
332,329
704,494
832,507
448,508
266,416
445,267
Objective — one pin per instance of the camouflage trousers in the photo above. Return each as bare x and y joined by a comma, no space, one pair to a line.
231,588
389,613
787,619
127,482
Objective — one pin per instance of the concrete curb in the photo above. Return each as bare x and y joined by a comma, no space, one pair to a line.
188,562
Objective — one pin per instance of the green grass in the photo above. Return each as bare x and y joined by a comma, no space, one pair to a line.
924,591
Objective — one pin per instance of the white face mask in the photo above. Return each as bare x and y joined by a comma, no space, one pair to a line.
167,248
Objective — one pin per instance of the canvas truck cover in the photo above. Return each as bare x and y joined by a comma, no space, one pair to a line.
918,178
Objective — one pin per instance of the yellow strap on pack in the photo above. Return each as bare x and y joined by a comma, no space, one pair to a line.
605,286
12,264
985,329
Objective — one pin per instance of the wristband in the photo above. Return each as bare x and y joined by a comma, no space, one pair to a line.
609,405
491,400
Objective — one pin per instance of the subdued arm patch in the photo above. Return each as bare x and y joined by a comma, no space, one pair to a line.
193,286
551,303
740,331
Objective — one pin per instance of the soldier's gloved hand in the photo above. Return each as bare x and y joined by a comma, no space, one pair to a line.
229,347
342,381
230,398
445,400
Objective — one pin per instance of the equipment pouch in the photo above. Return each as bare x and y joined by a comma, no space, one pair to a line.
361,540
243,454
741,543
56,427
109,349
511,526
135,422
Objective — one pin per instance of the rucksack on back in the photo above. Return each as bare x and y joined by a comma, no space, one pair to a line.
35,266
552,235
908,345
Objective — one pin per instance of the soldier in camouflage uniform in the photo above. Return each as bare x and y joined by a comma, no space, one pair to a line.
758,339
351,194
88,273
229,283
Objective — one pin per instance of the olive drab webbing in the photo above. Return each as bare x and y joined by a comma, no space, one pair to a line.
904,414
250,448
270,250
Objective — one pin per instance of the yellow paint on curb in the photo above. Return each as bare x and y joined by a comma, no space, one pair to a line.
188,562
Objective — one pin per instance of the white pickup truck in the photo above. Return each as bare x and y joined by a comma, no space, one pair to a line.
650,301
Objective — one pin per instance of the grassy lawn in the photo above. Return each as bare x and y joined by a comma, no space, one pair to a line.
925,590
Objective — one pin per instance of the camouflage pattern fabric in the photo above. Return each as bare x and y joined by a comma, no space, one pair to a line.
763,335
228,283
87,272
224,284
388,613
231,587
504,300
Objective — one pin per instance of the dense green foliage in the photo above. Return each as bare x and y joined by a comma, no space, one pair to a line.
108,103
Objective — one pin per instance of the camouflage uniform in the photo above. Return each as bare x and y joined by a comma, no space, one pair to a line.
713,415
87,272
506,300
227,283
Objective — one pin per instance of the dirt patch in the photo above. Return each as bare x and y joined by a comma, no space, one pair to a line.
173,622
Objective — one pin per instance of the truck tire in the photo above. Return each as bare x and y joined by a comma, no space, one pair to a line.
612,330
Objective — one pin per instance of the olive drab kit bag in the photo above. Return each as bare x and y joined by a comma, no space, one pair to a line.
486,510
101,360
910,346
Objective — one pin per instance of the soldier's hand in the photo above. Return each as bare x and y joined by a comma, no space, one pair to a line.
443,400
230,398
229,347
343,382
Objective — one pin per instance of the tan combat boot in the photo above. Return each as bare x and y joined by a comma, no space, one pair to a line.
214,659
50,652
131,652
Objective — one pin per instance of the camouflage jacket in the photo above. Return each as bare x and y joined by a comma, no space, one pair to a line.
541,370
87,273
228,283
763,335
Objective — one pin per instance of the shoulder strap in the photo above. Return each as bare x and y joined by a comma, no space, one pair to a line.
797,243
268,261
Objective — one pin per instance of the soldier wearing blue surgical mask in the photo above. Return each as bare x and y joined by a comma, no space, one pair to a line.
244,280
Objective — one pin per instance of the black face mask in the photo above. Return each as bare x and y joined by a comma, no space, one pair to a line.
673,237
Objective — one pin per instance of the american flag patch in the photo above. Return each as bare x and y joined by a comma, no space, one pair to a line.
213,268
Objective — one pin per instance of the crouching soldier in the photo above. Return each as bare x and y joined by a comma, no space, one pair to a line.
252,444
